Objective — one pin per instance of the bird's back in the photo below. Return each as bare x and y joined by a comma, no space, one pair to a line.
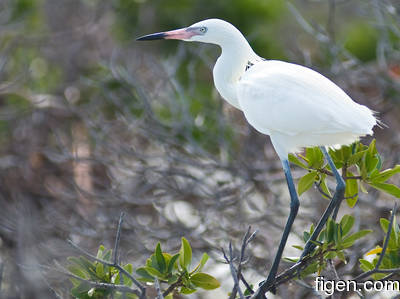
299,107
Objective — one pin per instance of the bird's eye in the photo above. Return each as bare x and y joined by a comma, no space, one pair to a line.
203,29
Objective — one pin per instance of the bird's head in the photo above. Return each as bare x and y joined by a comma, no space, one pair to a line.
213,31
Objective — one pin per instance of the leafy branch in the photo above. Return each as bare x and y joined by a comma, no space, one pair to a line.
105,275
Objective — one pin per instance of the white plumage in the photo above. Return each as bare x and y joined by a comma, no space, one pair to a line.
299,107
296,106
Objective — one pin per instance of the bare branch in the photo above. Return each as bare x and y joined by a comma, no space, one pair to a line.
117,239
234,274
158,289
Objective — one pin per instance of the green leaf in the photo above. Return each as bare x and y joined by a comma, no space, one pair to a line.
85,265
185,254
351,191
346,152
337,237
324,186
341,256
306,236
372,147
187,291
346,224
306,182
357,157
366,265
384,224
204,281
84,287
248,292
330,255
144,274
298,247
74,269
154,272
172,279
107,256
330,230
349,241
383,176
75,281
393,236
129,269
100,270
291,259
388,188
203,261
293,159
172,262
371,161
160,258
100,252
315,157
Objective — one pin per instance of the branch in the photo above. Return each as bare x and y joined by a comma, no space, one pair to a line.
115,263
158,289
117,238
383,252
171,288
296,269
95,284
245,242
106,263
233,273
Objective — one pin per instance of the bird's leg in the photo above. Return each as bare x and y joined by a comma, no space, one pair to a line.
266,285
333,205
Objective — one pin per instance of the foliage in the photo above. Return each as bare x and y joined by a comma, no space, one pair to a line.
360,164
172,270
175,270
391,257
97,271
331,243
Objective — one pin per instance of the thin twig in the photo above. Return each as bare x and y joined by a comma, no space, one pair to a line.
245,242
117,239
158,289
233,272
318,185
172,287
95,284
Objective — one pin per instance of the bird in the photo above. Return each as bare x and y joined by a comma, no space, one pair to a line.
297,107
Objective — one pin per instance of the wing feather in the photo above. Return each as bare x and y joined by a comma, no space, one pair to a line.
282,97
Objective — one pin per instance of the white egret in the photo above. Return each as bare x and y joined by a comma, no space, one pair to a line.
296,106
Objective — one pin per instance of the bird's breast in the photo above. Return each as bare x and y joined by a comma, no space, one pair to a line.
226,80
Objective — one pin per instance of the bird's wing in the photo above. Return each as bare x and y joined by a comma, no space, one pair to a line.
292,99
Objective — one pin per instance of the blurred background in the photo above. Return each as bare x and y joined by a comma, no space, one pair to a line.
93,123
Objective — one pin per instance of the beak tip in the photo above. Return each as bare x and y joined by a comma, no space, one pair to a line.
153,36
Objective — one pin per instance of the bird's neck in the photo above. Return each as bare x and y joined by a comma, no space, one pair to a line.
230,67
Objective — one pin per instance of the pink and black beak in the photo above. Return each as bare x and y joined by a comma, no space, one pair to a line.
181,34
